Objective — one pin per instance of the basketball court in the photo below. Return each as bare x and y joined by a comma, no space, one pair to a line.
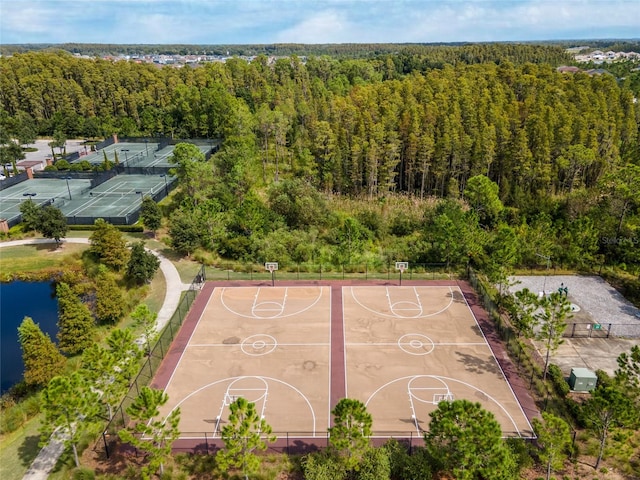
296,349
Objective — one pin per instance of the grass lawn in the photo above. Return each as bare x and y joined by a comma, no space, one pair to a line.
32,258
18,449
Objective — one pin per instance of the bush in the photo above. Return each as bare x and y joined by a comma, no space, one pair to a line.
557,379
83,473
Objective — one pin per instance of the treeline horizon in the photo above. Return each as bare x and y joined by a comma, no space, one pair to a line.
559,152
333,49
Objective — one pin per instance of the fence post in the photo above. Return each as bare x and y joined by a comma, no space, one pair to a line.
609,330
106,446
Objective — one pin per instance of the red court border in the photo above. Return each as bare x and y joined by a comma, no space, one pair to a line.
337,362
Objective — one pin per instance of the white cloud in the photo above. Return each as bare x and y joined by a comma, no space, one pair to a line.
306,21
322,27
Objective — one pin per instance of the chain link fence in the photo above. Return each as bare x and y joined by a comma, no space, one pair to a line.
150,366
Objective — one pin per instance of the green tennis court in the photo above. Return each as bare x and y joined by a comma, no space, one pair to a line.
117,200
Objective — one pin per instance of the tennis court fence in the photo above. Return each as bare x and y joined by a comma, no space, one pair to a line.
11,181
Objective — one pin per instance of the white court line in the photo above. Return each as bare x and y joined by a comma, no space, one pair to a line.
175,369
504,376
377,312
232,379
253,317
441,378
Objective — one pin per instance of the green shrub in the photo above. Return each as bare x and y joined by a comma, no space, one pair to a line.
557,379
83,473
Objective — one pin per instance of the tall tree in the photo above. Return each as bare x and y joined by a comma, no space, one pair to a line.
144,319
52,223
482,195
30,214
142,265
628,373
525,304
42,360
75,324
185,231
608,408
151,214
551,321
127,353
351,432
245,433
554,438
152,433
98,367
466,441
110,304
69,405
108,244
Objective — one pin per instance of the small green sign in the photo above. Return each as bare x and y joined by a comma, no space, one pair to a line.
597,326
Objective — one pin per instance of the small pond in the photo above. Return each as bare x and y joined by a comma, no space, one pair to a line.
17,300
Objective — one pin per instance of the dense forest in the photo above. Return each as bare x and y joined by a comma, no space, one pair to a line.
529,161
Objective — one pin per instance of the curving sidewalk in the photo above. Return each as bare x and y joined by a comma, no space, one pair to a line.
48,456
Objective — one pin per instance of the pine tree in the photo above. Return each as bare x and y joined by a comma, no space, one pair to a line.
142,265
108,244
110,306
351,431
466,441
554,438
75,324
145,319
151,433
42,360
69,405
242,436
151,214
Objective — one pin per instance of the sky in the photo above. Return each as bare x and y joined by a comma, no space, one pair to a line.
214,22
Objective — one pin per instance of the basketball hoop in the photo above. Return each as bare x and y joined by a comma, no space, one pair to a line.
402,266
271,267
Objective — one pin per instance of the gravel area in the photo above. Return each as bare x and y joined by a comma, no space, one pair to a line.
599,302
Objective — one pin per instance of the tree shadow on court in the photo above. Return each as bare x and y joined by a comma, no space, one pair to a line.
457,297
477,365
300,447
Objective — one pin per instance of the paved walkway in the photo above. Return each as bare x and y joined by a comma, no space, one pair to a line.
48,456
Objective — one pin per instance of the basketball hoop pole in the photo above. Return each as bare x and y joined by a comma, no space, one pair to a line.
402,266
273,277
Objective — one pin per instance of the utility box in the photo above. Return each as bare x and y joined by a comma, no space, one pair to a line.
582,380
